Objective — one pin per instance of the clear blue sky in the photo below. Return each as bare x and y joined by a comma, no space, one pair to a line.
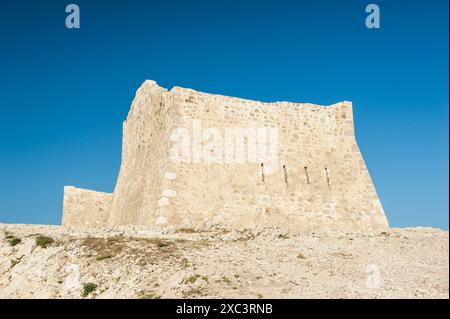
64,93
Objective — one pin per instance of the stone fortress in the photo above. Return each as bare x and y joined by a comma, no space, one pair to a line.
320,182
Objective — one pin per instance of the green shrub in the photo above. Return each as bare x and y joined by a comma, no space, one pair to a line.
44,241
88,287
13,240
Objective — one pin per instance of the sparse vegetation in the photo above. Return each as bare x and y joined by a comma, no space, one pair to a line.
192,279
161,243
245,235
202,243
44,241
188,231
226,280
283,236
13,240
103,248
114,240
150,295
103,257
88,288
184,263
192,293
145,251
14,262
136,266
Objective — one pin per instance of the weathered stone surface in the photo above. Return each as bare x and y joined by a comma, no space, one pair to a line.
144,262
83,207
320,181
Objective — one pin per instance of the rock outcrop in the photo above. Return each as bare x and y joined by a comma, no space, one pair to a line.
142,262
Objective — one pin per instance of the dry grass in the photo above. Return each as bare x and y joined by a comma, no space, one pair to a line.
188,231
144,251
150,295
226,280
245,235
193,293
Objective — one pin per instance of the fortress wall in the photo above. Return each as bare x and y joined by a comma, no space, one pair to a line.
83,207
320,181
144,156
337,194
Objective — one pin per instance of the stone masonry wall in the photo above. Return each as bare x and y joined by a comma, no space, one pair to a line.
320,183
144,156
83,207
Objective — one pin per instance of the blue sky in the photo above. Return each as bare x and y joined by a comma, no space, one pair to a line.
64,93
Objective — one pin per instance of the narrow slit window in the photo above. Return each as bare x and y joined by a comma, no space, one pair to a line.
307,175
262,171
285,174
328,176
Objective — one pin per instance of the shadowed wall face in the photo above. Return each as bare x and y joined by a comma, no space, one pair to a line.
293,165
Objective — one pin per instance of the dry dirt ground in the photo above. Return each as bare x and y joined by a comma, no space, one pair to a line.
130,262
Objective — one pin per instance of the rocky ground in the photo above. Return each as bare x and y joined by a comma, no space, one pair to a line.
59,262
